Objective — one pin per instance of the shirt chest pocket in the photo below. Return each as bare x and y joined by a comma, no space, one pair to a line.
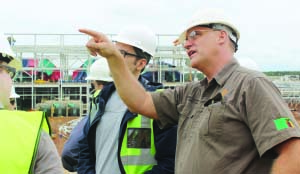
209,119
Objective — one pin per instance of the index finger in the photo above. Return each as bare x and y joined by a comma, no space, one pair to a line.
91,33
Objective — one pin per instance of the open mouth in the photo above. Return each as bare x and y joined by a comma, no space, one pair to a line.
190,53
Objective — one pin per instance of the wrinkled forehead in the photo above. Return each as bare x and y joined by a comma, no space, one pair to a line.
124,46
199,27
196,28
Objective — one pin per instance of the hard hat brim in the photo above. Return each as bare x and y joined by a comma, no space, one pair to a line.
182,35
15,63
100,79
15,96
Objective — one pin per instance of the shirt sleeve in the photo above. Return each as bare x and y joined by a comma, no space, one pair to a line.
47,159
267,115
168,105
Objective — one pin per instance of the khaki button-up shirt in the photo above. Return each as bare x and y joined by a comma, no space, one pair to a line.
229,125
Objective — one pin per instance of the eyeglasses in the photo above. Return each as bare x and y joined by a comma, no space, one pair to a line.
193,35
10,70
125,53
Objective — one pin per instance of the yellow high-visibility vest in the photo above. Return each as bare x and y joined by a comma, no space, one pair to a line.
96,93
138,148
20,133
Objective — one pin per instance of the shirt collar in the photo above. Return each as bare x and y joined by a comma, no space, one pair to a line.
225,73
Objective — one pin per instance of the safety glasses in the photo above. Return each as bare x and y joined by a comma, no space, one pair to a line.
193,35
125,53
10,70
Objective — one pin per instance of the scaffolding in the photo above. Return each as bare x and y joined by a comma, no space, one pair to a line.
290,90
68,53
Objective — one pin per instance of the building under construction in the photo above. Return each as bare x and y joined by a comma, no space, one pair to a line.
55,67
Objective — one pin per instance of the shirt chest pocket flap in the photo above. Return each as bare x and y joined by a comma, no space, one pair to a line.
209,118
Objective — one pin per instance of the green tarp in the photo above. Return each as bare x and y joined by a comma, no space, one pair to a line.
45,63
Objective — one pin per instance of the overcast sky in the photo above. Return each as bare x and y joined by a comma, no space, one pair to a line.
269,28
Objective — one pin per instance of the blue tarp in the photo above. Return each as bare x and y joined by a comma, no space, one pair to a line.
80,75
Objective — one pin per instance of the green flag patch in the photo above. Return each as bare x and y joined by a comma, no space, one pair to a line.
283,123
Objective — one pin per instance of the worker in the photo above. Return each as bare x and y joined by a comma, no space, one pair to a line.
26,146
233,121
120,141
99,75
13,98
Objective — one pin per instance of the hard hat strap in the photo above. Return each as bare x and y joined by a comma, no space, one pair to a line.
232,35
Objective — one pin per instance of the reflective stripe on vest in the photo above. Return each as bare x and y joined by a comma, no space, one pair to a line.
20,133
96,93
138,160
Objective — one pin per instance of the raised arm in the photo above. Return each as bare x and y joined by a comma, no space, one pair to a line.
129,89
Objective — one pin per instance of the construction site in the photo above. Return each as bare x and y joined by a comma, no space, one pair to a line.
55,67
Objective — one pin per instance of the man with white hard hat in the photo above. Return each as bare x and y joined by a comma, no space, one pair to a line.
233,121
26,146
99,75
121,141
11,64
13,96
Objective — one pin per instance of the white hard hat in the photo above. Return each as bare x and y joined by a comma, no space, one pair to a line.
210,17
138,36
7,54
100,71
13,93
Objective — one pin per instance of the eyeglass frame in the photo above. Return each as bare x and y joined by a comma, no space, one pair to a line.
10,70
125,53
190,37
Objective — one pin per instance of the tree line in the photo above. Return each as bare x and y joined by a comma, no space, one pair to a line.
281,73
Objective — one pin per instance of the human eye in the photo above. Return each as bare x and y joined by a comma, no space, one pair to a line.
192,34
123,52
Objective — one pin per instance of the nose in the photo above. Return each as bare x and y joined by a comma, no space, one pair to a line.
187,44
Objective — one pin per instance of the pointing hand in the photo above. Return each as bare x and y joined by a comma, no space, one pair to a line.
99,44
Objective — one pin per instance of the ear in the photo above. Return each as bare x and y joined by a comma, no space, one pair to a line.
222,37
141,63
